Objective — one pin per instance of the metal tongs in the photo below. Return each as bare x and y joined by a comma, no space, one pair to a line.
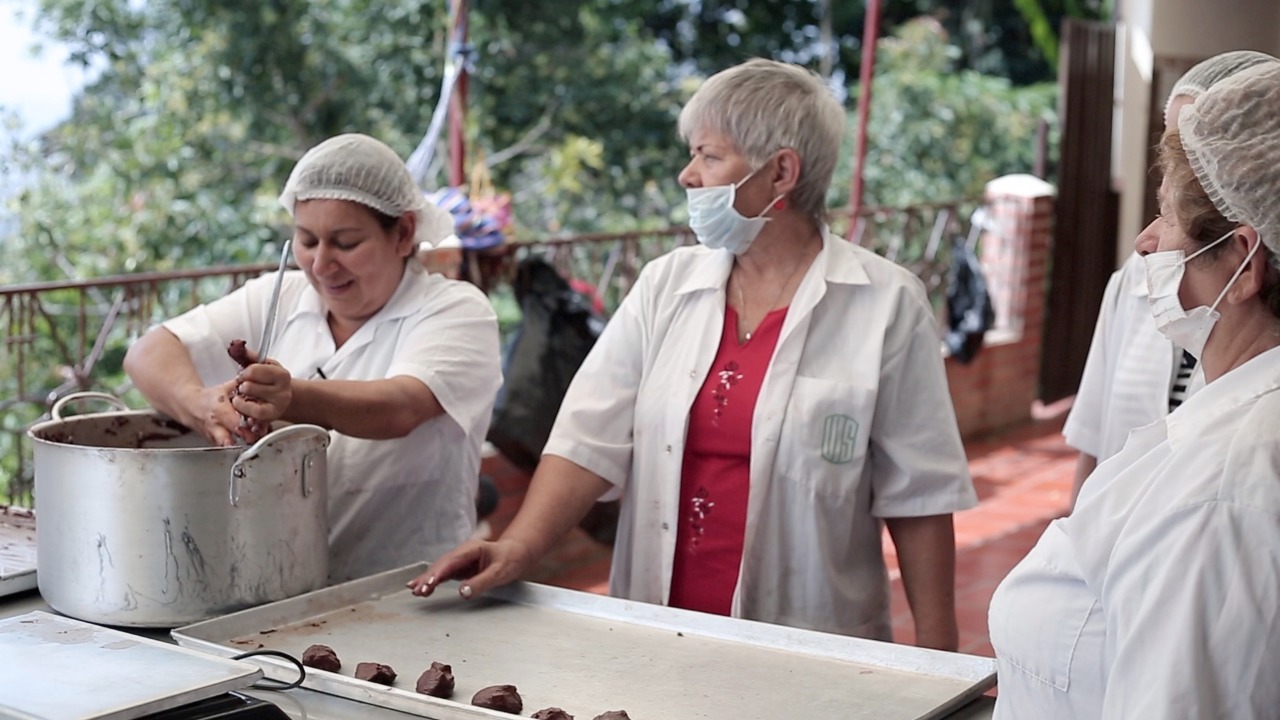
272,308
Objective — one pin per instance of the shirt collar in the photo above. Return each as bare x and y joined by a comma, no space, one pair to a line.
405,300
402,302
1242,386
838,260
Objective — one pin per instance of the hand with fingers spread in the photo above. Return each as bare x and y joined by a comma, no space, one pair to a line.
483,565
209,411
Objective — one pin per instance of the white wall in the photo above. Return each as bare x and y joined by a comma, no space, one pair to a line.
1200,28
1184,29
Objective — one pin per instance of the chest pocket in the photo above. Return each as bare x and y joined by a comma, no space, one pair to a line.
1043,614
823,443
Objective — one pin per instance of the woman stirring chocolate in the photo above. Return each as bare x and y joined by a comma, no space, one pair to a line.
402,365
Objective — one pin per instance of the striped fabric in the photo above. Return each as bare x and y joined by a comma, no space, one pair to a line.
1182,378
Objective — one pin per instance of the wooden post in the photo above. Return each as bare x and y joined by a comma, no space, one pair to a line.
870,31
458,101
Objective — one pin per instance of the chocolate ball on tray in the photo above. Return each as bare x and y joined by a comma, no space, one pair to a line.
321,657
375,672
436,681
503,698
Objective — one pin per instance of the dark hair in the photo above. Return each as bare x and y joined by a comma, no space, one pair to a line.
1199,219
385,221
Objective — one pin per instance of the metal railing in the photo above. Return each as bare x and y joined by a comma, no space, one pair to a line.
67,336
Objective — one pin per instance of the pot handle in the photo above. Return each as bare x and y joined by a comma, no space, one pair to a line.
308,462
285,433
107,398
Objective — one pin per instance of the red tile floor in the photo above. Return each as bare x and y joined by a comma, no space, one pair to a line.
1023,480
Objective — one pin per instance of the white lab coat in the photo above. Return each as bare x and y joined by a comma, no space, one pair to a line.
391,502
856,377
1129,370
1159,597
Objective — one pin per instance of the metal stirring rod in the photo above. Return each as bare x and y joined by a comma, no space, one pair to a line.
269,328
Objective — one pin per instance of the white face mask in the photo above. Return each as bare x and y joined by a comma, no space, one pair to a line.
717,224
1188,330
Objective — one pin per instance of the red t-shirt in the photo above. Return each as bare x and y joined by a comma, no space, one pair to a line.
716,471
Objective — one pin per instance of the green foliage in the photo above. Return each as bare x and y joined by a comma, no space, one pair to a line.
1038,25
937,134
592,100
1014,39
711,35
174,155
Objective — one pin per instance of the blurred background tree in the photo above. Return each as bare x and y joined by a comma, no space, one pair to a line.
174,154
939,132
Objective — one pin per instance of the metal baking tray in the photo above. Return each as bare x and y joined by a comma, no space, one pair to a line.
17,550
588,653
57,668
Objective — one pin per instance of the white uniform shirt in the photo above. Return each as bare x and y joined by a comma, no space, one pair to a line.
853,423
1159,597
391,502
1128,373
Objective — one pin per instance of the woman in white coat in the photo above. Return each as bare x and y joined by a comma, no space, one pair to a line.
403,366
1134,375
763,403
1159,597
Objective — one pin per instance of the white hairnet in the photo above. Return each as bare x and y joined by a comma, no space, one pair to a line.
1231,135
362,169
1207,73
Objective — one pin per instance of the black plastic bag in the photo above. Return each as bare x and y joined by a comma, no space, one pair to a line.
969,310
557,330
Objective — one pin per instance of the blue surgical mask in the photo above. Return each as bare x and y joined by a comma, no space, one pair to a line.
717,224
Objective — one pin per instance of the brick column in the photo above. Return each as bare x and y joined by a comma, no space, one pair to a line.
999,387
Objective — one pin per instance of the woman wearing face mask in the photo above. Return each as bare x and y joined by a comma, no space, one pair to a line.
403,366
1134,375
1159,597
760,402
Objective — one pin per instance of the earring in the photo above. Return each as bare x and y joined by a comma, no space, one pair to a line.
780,205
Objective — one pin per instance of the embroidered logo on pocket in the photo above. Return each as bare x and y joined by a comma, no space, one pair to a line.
838,435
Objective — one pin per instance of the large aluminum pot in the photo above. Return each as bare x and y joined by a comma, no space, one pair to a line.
144,524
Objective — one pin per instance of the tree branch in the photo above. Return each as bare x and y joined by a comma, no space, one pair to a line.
525,143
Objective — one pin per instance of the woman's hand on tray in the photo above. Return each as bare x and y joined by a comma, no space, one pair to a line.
481,565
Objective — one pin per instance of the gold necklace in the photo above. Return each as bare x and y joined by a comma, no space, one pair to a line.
742,302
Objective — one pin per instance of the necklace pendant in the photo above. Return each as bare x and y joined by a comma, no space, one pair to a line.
748,336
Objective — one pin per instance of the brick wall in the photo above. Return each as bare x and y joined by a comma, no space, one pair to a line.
998,388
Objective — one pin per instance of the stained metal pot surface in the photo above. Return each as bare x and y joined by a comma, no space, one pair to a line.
144,524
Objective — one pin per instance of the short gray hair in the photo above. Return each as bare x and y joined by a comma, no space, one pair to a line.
764,106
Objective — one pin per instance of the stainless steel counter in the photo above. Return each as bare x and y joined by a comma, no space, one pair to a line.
309,705
301,704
